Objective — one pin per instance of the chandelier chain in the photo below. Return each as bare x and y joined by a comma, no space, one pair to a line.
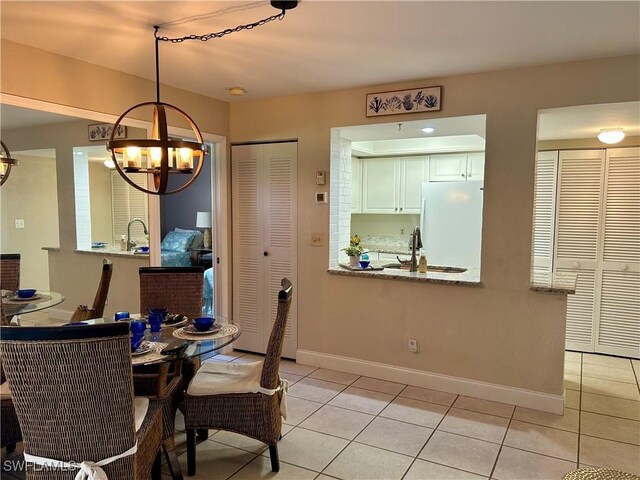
227,31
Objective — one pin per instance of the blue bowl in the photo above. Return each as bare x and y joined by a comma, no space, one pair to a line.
144,249
136,341
364,263
26,292
203,323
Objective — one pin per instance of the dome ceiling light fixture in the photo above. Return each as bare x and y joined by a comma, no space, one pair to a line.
611,135
6,162
162,155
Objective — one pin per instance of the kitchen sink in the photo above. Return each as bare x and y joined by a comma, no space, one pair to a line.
430,268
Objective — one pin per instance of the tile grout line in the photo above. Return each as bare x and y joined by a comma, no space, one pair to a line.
495,463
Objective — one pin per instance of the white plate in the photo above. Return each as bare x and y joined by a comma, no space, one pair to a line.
175,325
192,330
146,347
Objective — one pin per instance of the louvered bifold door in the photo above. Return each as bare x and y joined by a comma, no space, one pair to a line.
544,212
580,176
279,163
247,240
618,322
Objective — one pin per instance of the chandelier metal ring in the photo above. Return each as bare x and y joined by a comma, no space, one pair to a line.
7,163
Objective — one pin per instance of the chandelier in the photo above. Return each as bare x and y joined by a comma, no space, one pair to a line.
162,155
6,162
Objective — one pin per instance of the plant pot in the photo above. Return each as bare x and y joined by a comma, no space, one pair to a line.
353,260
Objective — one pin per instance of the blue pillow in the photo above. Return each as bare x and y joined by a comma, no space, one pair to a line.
198,240
177,241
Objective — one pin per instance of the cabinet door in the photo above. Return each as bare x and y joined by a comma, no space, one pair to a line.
448,168
544,210
413,173
475,166
356,185
380,185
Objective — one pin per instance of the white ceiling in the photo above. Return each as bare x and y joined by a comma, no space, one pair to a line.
323,45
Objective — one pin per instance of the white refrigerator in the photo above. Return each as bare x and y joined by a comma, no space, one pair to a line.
451,223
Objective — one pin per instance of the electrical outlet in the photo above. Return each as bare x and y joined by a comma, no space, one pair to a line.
317,239
19,223
412,345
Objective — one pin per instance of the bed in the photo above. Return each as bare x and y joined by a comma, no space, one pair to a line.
175,250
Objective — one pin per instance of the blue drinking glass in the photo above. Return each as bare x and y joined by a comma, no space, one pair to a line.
155,320
138,327
120,316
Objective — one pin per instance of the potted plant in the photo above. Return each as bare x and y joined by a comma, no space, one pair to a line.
354,250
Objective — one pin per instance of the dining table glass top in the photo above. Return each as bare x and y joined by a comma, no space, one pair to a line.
157,341
13,305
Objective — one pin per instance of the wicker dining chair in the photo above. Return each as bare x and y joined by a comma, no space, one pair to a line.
73,394
179,290
83,312
10,433
256,415
10,271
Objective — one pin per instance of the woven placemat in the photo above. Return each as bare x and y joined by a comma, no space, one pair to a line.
151,356
226,331
38,297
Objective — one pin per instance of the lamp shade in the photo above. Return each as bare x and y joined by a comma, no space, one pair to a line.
203,220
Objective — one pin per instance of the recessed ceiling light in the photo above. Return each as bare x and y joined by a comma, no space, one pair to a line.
109,163
237,91
428,130
611,136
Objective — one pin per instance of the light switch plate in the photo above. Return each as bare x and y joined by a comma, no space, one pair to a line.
19,223
318,239
321,177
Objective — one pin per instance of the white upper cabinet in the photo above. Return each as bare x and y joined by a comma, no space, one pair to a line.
356,185
393,185
456,167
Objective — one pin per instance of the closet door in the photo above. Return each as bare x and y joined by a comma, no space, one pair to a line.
264,240
618,325
544,208
576,244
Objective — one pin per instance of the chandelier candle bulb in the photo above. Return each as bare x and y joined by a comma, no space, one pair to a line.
186,159
132,158
156,157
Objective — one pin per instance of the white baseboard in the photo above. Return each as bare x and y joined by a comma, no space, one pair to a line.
444,383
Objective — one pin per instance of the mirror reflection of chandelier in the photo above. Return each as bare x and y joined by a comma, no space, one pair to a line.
162,155
6,162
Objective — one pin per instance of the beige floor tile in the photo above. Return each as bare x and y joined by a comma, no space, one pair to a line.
362,462
516,464
226,357
248,358
636,364
569,421
606,361
238,441
307,449
571,399
413,411
396,436
484,406
299,409
427,395
474,424
465,453
611,389
543,440
286,429
362,400
290,366
376,385
423,470
338,422
322,476
315,390
334,376
572,356
215,461
290,377
609,373
606,453
572,368
611,428
617,407
260,468
572,382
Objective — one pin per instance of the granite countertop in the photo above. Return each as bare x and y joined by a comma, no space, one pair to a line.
393,249
470,278
111,251
564,283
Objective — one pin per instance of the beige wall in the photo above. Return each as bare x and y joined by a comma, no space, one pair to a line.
501,333
30,194
36,74
100,198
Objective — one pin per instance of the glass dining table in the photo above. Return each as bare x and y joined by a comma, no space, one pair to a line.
14,305
192,346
